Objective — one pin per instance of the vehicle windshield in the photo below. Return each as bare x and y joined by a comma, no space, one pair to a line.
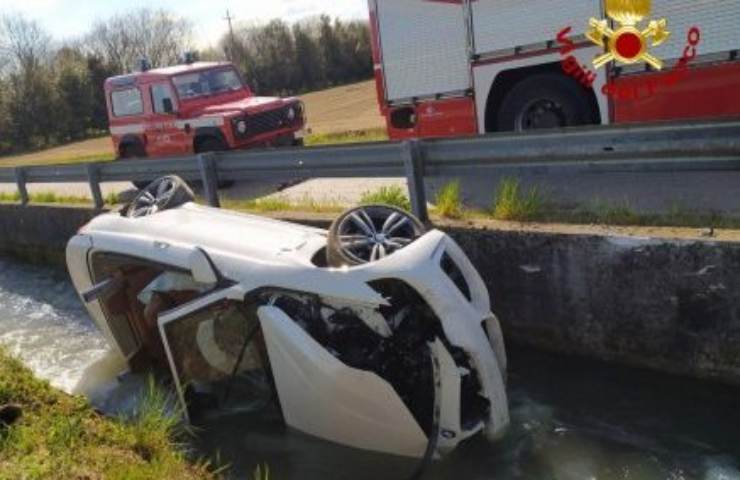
207,82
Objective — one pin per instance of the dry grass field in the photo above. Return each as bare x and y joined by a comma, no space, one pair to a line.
342,109
350,108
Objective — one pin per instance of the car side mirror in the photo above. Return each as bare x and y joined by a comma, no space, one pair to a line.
203,269
167,105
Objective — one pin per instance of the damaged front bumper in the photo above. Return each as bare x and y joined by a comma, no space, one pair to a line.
427,368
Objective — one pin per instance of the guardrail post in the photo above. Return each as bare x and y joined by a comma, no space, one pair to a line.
93,178
20,181
209,175
413,162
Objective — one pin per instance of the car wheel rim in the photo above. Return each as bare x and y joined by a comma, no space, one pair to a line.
153,197
371,234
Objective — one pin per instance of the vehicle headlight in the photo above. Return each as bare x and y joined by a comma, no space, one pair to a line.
241,127
291,114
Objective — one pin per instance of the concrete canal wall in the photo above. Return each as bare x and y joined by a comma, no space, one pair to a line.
658,301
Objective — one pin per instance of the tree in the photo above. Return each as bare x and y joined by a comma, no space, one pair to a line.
308,58
157,36
75,95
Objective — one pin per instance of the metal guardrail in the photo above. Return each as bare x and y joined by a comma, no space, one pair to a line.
699,146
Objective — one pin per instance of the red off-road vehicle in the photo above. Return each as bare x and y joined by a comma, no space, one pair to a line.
194,108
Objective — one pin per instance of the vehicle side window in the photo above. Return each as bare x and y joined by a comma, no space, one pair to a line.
127,102
162,98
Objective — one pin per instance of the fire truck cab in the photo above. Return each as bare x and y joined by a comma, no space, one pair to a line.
465,67
193,108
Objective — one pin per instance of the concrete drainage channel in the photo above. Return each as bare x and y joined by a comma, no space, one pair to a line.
671,305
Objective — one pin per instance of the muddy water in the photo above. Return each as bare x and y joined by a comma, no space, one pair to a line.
571,418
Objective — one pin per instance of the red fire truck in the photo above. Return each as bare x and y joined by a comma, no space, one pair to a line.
464,67
196,107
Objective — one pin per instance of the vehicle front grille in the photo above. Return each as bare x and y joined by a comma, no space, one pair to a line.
272,120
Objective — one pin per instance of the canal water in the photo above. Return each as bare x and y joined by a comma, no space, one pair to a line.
572,418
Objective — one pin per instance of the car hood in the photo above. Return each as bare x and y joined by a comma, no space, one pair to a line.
248,105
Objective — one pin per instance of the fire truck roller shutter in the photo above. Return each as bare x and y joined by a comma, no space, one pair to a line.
524,99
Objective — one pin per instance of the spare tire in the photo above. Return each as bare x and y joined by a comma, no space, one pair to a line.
162,194
370,233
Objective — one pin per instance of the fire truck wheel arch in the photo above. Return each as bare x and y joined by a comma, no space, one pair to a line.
518,95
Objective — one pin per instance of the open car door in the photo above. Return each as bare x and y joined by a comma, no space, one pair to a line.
216,353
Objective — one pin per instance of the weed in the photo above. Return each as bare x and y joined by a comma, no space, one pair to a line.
448,203
262,472
514,204
394,196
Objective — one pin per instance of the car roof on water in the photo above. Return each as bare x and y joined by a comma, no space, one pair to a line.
130,79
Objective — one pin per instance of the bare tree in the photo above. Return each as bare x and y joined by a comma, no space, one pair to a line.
24,45
157,35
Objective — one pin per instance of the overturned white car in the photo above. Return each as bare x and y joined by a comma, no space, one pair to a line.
376,334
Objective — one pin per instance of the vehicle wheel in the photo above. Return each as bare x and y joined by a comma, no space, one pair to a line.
370,233
162,194
545,101
212,144
132,152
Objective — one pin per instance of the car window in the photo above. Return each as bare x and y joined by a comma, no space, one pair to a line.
217,354
160,93
127,102
208,82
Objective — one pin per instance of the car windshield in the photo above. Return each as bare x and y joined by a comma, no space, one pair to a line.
208,82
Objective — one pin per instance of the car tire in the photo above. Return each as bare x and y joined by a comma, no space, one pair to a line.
135,151
168,192
377,231
545,101
212,144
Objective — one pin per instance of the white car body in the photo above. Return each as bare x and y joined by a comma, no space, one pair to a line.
319,394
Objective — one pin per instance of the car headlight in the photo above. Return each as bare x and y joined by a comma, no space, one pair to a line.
291,114
241,127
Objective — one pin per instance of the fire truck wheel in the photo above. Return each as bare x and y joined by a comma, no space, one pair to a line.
545,101
211,144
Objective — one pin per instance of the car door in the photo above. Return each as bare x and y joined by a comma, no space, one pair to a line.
165,138
217,356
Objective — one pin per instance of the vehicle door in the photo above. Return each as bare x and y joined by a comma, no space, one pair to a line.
217,356
165,138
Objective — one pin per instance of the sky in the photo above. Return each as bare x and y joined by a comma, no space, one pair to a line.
71,18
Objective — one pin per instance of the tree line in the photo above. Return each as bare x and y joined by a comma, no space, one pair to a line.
52,94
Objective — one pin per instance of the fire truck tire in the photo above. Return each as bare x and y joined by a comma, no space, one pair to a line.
212,144
133,151
545,101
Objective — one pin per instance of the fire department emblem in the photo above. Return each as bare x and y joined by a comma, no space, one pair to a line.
628,44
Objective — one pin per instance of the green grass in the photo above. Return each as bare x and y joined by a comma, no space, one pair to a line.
448,203
61,437
53,198
352,136
279,204
394,196
512,203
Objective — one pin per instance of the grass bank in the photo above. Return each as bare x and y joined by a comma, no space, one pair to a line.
61,437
